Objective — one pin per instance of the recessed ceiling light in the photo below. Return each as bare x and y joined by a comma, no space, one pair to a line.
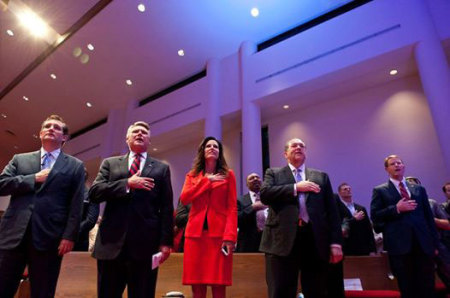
141,7
4,115
181,52
129,82
53,76
89,105
16,147
90,47
286,107
10,32
25,98
35,136
393,72
155,149
254,12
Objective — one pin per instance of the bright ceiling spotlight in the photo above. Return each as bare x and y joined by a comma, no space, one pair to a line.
254,12
33,23
181,52
10,32
129,82
89,105
286,107
90,47
25,98
53,76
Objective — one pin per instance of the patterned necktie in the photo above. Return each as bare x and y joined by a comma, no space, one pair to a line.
260,215
46,161
136,165
403,191
303,214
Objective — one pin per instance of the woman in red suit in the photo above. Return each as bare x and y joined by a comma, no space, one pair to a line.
211,231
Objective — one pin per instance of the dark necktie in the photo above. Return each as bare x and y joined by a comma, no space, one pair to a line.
135,166
403,191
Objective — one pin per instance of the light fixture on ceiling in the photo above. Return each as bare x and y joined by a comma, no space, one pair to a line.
141,7
53,76
129,82
84,58
4,115
393,72
10,32
25,98
16,147
286,107
77,52
181,52
90,47
35,136
254,12
33,23
155,149
89,105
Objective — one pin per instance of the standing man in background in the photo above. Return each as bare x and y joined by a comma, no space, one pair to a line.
43,217
303,229
252,216
401,211
137,221
89,216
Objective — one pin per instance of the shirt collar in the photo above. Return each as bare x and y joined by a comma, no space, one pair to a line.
302,168
54,153
143,155
397,182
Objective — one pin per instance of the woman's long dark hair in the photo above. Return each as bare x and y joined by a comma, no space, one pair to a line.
199,162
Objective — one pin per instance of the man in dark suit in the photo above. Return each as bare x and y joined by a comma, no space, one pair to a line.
137,221
43,216
401,211
303,230
252,215
358,234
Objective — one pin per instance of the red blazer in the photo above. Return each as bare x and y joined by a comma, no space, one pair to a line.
218,199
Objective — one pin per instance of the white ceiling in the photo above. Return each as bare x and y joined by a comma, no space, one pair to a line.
128,45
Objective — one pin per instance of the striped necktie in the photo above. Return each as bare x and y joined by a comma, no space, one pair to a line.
46,161
136,165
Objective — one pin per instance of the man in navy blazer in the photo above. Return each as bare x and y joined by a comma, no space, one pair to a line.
303,229
137,221
43,216
401,211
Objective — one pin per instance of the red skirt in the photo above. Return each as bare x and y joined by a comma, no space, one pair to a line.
204,262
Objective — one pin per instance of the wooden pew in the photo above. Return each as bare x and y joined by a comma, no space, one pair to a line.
78,276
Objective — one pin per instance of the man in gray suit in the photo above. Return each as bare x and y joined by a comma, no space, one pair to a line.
137,221
303,229
43,216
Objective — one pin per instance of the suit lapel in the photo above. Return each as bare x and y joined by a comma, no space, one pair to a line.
36,161
308,176
149,162
60,164
393,190
123,164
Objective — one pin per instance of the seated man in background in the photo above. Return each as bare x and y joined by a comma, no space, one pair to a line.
358,235
252,216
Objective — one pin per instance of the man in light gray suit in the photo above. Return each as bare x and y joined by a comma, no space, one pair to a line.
43,216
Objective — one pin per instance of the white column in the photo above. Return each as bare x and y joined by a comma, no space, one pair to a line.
435,76
251,117
213,124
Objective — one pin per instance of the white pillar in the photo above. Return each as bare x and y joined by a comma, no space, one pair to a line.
251,117
435,76
213,124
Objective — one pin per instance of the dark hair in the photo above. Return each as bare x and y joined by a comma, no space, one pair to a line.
341,185
60,119
443,187
199,161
